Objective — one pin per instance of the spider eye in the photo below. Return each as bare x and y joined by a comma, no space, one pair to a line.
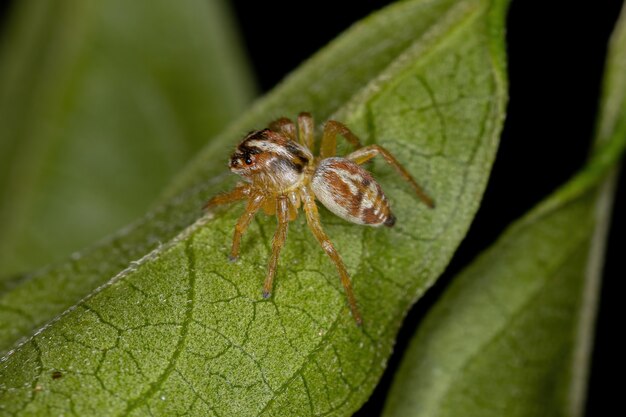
248,161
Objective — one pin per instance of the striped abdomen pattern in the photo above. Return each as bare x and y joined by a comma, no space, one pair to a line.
351,193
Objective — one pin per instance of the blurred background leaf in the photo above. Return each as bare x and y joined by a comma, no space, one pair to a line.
101,102
513,334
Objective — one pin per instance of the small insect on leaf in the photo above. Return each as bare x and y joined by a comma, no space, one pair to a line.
281,174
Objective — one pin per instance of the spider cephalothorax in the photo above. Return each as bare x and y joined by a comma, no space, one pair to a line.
271,160
281,175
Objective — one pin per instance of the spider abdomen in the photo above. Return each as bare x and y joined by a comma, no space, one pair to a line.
351,193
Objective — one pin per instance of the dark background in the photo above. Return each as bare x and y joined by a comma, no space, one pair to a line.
556,53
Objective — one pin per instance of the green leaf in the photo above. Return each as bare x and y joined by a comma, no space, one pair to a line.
511,336
182,330
101,103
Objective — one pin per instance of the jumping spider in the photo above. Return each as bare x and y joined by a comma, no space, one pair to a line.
281,174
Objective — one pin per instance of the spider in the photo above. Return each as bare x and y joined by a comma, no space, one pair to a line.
281,174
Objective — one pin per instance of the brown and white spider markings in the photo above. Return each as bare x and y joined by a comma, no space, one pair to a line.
281,174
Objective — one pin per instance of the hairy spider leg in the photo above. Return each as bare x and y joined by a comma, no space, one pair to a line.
282,214
332,128
313,220
240,192
306,130
254,204
360,156
285,127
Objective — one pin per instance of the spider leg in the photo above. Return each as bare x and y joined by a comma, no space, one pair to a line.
282,213
254,204
313,220
284,126
333,128
240,192
305,130
360,156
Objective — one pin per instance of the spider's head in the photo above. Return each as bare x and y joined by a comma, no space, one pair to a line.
268,157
